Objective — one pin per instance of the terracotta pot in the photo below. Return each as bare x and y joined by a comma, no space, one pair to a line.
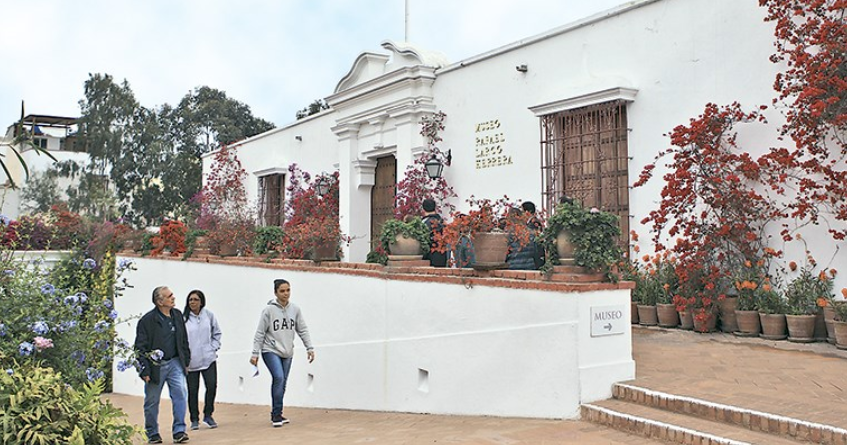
633,310
820,326
647,315
749,324
840,328
564,246
801,328
727,311
686,320
668,316
227,249
704,324
325,252
828,318
773,326
490,249
404,246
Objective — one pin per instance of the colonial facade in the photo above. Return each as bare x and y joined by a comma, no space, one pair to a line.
577,110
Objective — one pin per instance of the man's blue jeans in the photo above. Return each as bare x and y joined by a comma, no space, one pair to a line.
173,373
278,367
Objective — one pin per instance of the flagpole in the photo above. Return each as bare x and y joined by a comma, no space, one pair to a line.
407,21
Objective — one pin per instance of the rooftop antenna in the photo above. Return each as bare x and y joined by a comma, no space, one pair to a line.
407,21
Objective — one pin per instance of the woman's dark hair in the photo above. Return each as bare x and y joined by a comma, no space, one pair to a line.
200,294
279,282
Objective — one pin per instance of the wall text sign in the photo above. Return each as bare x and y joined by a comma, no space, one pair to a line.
608,320
490,144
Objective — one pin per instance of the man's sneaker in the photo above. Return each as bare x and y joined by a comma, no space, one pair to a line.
208,420
180,437
277,421
285,420
195,425
154,439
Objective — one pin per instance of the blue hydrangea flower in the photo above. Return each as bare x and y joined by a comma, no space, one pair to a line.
25,349
157,355
101,326
123,365
89,264
124,263
82,297
10,371
93,374
78,310
8,272
68,325
5,220
113,314
40,327
107,303
71,300
79,356
48,289
123,344
101,344
2,330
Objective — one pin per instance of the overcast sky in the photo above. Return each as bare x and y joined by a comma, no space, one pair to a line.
277,56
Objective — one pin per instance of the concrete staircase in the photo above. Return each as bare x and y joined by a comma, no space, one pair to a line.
687,420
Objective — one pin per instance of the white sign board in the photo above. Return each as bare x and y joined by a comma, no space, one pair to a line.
608,320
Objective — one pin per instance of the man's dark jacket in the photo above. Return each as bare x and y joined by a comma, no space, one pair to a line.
148,338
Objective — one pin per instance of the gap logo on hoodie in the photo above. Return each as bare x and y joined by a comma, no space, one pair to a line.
285,323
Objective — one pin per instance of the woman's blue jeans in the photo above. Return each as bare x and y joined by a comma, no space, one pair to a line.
278,367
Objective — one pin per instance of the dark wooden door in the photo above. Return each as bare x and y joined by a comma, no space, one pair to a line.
382,195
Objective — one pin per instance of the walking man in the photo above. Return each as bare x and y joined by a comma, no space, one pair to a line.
161,345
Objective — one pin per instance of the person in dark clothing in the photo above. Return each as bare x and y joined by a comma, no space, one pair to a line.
436,224
161,345
535,227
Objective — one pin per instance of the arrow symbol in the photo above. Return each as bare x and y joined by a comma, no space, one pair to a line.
608,327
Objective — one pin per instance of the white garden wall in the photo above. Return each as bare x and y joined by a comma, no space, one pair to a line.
406,343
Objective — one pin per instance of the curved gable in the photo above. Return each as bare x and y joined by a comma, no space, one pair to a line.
366,67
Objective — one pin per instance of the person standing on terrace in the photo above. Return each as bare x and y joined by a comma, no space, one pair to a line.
274,340
436,224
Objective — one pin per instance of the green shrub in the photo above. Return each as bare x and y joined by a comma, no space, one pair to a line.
593,232
268,238
37,407
415,228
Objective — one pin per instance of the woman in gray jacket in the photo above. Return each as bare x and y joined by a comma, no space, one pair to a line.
274,340
204,340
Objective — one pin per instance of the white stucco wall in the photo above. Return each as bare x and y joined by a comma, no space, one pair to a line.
487,350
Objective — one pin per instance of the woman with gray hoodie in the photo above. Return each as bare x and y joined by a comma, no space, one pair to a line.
204,340
274,340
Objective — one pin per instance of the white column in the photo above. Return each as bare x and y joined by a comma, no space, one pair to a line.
355,193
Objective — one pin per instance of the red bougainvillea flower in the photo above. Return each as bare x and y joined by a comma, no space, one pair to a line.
822,302
793,266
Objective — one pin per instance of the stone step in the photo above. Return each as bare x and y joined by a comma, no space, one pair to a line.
408,263
673,427
729,415
572,269
577,277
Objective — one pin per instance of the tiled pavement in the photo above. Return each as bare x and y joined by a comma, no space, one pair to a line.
802,381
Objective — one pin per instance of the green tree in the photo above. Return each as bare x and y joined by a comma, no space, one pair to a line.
41,191
314,108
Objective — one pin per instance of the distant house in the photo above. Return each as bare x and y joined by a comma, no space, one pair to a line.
55,134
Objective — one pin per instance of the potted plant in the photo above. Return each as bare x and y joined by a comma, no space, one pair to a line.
592,233
268,239
802,294
750,284
840,325
407,237
493,229
646,291
171,237
668,284
312,222
772,308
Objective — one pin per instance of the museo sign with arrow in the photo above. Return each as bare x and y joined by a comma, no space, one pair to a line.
608,320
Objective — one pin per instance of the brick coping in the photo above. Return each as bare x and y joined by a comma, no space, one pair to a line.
514,279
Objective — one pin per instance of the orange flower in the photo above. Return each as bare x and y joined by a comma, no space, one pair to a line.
738,285
822,276
656,260
634,236
753,285
636,249
760,263
832,272
766,287
822,302
844,292
666,286
645,258
792,265
748,263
